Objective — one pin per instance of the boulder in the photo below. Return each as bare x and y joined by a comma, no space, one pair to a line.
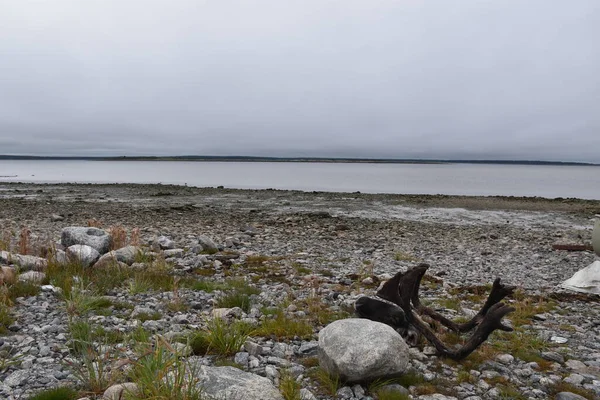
208,246
32,277
26,262
97,238
124,255
84,254
359,350
234,384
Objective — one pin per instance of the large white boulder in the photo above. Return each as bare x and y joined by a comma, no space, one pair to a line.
358,350
585,280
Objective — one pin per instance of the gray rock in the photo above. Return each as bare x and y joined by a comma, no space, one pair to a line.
241,358
17,378
568,396
32,276
309,348
359,391
57,217
125,255
358,350
176,253
576,365
117,392
26,262
208,246
344,392
4,257
574,379
233,384
84,254
97,238
252,348
505,358
436,396
165,243
227,313
306,394
553,356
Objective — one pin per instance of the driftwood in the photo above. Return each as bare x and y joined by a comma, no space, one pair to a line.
397,304
573,247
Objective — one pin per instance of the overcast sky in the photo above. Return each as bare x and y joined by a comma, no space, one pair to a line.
406,78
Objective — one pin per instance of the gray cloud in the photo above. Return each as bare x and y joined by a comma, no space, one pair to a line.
437,79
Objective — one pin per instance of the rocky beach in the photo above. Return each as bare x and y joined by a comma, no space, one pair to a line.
299,257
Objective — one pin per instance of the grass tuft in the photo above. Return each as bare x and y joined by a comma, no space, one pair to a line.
220,338
284,327
328,384
289,387
161,373
59,393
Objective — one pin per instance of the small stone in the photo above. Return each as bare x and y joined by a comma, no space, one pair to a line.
57,217
553,356
241,358
306,394
344,393
359,391
574,379
505,358
576,365
568,396
559,339
253,348
117,392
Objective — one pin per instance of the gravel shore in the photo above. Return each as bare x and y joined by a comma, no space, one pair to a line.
468,241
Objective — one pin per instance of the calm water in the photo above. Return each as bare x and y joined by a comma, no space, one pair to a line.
454,179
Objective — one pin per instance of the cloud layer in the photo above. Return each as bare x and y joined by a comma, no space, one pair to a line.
436,79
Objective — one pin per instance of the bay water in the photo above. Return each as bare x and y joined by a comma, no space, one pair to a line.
548,181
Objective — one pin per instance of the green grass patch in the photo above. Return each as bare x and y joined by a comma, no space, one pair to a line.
328,384
6,319
220,338
289,388
161,373
60,393
284,327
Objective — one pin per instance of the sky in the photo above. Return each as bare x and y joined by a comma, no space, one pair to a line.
449,79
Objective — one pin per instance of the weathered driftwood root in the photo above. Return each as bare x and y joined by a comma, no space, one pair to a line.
398,305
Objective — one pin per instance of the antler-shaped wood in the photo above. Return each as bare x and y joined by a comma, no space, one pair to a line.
403,290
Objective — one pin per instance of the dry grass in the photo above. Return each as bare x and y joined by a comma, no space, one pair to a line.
119,237
24,237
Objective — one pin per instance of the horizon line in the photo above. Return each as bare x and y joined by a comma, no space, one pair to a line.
298,158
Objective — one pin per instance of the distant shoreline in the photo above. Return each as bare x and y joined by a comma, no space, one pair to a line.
294,159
